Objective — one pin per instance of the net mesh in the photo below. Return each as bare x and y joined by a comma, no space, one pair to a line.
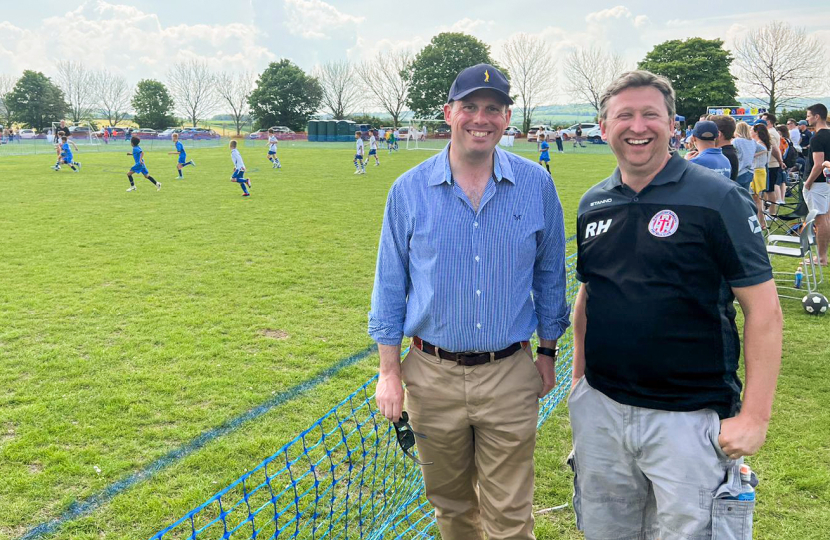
343,477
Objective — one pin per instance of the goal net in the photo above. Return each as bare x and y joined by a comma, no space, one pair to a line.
425,135
81,133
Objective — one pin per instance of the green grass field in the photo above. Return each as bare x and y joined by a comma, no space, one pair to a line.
133,322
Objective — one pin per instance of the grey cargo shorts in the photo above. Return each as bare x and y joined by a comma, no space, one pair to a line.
642,474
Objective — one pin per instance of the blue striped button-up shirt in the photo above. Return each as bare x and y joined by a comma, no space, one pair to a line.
466,280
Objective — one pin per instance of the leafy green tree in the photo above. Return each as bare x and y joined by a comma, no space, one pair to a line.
153,105
699,71
35,101
285,95
373,121
434,69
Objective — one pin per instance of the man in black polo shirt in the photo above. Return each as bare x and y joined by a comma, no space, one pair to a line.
664,247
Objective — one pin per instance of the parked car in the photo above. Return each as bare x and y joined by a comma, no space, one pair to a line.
531,133
280,129
168,133
513,130
593,135
404,133
79,131
570,132
27,134
259,134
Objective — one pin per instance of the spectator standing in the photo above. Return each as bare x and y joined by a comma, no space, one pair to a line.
578,137
746,149
816,187
726,132
472,388
706,153
795,134
557,136
659,428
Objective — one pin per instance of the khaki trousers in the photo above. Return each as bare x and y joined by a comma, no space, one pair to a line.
480,424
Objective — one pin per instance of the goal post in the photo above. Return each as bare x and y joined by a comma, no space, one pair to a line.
430,135
86,136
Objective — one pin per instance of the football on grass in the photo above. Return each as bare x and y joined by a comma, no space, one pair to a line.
815,303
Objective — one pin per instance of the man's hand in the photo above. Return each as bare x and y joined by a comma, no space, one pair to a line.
547,370
742,435
389,396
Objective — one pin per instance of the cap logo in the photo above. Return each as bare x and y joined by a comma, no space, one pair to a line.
663,224
486,76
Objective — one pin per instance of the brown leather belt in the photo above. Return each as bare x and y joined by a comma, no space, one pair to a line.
468,358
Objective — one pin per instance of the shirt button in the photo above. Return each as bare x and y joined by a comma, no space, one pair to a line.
635,199
477,258
478,293
475,224
478,325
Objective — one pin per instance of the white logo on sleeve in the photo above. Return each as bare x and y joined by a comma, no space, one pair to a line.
754,226
663,224
597,227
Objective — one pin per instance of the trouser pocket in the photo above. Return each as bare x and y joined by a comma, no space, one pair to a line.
732,519
577,497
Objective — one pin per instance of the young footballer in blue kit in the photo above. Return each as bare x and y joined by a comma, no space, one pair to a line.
182,155
544,156
66,156
272,150
360,167
139,167
239,170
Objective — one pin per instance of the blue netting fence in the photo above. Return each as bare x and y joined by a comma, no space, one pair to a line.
343,477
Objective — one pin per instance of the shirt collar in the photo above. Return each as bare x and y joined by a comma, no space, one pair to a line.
441,172
671,173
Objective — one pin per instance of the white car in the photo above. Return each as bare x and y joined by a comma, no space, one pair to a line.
593,135
570,132
531,133
513,130
27,134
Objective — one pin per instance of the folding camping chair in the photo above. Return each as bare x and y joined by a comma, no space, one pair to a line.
790,214
803,251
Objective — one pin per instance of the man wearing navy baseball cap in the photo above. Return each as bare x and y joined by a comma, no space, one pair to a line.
470,264
707,154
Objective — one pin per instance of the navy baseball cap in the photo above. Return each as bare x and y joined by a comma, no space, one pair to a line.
480,77
802,122
706,130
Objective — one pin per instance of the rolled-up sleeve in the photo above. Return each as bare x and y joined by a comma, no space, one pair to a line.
388,311
549,282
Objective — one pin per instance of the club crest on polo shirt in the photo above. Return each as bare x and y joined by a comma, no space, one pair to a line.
663,224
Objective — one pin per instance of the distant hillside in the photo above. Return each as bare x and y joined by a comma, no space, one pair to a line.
571,113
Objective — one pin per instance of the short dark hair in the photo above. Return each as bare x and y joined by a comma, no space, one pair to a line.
638,79
726,125
134,141
63,138
791,120
769,117
820,110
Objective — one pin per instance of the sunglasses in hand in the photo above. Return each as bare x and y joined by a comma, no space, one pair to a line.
406,438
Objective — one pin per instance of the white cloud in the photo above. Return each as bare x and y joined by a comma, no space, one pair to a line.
129,41
315,19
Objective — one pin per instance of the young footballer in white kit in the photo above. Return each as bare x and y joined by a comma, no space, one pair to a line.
272,150
360,167
373,147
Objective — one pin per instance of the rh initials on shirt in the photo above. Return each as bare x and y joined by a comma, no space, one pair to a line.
596,228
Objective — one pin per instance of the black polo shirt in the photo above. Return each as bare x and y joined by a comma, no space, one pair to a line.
658,267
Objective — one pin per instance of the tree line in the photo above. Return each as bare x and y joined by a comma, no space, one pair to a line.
776,63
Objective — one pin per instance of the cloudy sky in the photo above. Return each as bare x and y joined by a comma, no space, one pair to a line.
142,39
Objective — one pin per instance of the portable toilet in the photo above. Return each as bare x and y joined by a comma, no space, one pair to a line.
312,130
331,130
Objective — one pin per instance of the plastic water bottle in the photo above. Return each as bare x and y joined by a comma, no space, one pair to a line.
747,491
799,276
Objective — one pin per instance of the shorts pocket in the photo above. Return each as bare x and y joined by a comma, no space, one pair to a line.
577,496
732,519
715,434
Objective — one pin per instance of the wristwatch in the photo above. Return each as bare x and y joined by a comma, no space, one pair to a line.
547,351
